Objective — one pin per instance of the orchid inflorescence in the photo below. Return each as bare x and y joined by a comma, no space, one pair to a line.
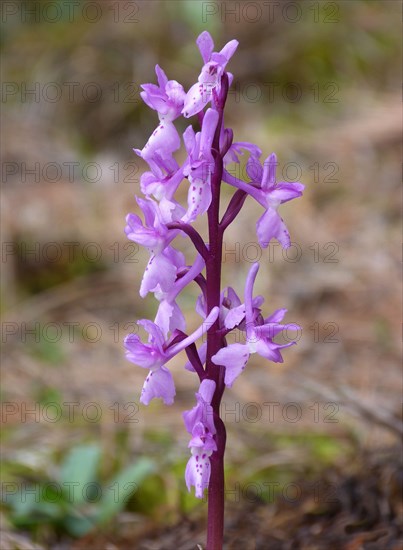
209,151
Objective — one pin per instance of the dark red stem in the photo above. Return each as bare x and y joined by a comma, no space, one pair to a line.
215,341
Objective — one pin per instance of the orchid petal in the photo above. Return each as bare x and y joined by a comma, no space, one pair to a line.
234,316
170,317
206,390
160,274
284,192
202,413
161,77
164,140
234,358
159,383
189,139
199,199
206,45
270,350
270,225
140,354
197,98
229,49
276,316
254,169
269,172
154,331
207,133
201,307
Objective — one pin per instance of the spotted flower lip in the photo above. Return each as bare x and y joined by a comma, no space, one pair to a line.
197,473
199,422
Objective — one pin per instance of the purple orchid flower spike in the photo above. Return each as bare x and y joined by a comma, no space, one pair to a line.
199,422
215,361
155,354
210,77
201,165
259,336
270,195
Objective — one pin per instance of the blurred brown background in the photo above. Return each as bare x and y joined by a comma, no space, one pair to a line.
316,82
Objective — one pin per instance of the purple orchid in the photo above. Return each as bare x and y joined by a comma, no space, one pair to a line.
167,99
259,335
198,468
155,354
270,195
162,268
210,77
154,235
199,422
201,165
273,194
209,151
